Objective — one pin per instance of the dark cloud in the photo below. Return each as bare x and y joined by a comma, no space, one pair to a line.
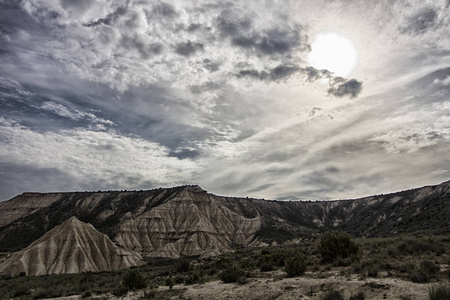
164,10
138,43
194,27
188,48
273,41
210,66
233,22
350,88
121,10
420,22
276,40
275,74
312,74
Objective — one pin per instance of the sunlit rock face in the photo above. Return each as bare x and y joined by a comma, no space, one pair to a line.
72,247
191,223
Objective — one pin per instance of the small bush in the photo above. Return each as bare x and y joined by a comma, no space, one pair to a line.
179,279
333,295
441,292
425,273
169,283
359,296
232,274
183,266
373,272
20,291
133,280
337,245
295,266
149,295
192,278
43,293
120,290
266,267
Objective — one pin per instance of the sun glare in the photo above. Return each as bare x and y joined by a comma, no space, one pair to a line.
333,52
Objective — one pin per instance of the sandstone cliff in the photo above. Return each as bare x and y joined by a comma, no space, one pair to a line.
71,247
191,223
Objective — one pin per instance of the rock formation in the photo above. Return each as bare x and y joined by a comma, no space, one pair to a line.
192,223
186,220
72,247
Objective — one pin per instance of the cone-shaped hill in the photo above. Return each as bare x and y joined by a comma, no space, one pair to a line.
71,247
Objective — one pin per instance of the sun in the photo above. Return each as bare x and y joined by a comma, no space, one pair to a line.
334,53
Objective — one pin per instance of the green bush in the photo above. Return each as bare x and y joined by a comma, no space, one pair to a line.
232,274
133,280
333,295
441,292
295,266
337,245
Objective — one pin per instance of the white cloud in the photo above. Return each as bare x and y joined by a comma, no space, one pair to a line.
93,156
75,115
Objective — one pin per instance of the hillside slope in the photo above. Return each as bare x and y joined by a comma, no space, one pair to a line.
72,247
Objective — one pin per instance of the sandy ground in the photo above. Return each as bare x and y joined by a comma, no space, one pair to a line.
308,288
273,285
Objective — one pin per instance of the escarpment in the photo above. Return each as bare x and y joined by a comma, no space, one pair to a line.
188,221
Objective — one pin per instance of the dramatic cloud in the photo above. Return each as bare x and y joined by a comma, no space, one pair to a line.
109,94
350,88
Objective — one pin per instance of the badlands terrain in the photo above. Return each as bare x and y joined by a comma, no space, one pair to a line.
184,243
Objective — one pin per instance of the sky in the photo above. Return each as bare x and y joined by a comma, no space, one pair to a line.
298,100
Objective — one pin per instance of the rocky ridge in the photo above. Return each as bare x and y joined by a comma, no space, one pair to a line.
186,220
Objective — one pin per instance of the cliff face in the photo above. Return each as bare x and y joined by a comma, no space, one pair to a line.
191,223
187,220
72,247
25,204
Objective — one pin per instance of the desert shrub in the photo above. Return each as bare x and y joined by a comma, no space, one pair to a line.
120,290
149,295
133,280
359,296
192,278
373,271
426,271
179,279
169,282
232,274
441,292
334,245
20,291
333,295
183,266
295,266
266,267
43,293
